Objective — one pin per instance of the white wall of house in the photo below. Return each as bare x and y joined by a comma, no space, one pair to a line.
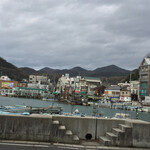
125,98
6,78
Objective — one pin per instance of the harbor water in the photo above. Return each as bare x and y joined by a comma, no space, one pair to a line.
68,108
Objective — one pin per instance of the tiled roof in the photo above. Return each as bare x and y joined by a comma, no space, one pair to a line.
115,87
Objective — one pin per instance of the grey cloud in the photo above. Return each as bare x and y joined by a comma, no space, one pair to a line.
86,33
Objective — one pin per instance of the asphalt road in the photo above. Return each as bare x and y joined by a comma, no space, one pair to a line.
10,146
26,146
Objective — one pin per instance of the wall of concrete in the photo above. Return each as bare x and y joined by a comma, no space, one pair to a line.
80,126
105,125
33,128
140,133
41,128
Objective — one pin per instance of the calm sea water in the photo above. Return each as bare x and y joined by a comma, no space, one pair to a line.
88,110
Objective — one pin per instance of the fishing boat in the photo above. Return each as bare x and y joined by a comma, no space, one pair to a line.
122,116
50,99
33,110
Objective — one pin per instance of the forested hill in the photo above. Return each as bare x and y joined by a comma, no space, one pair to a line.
11,71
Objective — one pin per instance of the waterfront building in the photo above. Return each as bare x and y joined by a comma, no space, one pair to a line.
75,83
30,92
63,82
6,87
144,73
125,94
6,84
112,91
78,85
134,87
89,84
37,78
41,82
22,84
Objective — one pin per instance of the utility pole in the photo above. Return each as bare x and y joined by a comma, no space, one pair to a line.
130,76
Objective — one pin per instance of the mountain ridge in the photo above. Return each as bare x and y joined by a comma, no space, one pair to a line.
106,71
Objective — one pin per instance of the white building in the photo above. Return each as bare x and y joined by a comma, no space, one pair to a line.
5,78
78,84
125,94
41,82
63,82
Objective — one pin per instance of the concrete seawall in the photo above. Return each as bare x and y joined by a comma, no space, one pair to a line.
72,129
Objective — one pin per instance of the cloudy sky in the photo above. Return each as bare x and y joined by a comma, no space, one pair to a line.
69,33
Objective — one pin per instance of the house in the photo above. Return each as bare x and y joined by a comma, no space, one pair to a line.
112,91
134,87
125,94
5,78
89,84
6,87
99,91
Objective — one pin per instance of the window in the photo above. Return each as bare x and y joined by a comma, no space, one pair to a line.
144,77
144,85
143,92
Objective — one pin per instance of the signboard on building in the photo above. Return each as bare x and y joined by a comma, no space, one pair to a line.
7,85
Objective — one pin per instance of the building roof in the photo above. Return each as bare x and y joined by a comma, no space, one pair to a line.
124,88
93,79
146,60
113,87
25,88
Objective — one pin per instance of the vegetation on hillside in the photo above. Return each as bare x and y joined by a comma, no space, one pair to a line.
11,71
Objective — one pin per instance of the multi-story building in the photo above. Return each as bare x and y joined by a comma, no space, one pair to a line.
36,79
89,84
41,82
78,84
134,87
125,94
144,73
63,82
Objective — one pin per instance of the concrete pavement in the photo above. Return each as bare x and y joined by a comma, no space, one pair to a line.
24,145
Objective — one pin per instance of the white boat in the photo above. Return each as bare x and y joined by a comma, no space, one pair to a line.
146,109
50,99
122,116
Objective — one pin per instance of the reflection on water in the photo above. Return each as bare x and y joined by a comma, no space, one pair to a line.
88,110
